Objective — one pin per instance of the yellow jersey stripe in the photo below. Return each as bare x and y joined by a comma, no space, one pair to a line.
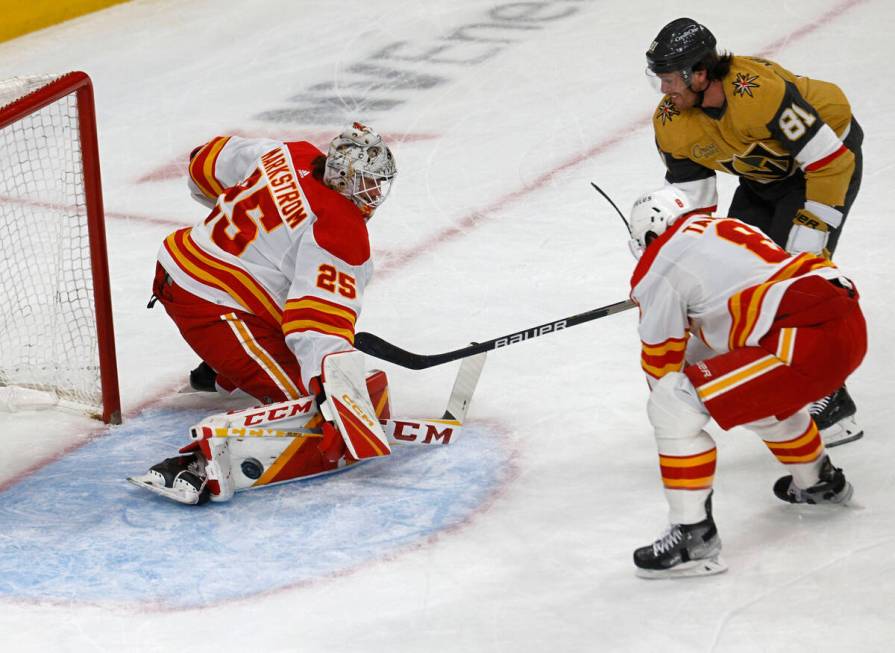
659,372
247,282
726,382
314,325
262,357
688,483
786,345
208,167
689,461
664,348
309,303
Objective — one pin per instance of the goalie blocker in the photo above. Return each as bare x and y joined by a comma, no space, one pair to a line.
302,438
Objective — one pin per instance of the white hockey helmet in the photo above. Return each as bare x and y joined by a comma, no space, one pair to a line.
360,166
653,213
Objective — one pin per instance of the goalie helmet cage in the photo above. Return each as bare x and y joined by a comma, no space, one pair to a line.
56,335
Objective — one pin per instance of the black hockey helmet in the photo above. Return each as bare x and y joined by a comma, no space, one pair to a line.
679,46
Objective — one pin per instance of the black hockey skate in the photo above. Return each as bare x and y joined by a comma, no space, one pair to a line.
684,550
832,488
835,418
180,479
203,377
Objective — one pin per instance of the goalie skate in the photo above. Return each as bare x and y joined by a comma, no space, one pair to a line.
181,479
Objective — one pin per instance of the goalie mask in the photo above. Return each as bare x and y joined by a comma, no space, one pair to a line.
652,214
360,166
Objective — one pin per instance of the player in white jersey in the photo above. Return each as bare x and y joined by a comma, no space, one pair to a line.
776,332
271,282
273,278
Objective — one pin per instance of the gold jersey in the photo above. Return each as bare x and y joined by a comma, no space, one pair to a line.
773,124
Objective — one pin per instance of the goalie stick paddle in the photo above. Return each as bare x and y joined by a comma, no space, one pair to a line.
373,345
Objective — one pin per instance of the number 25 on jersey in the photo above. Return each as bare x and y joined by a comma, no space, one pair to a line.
331,280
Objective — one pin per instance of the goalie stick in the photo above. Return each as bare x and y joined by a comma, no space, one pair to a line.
373,345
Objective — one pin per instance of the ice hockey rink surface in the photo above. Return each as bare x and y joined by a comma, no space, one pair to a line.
518,537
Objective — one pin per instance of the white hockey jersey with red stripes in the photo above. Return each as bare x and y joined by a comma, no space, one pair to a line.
278,243
714,278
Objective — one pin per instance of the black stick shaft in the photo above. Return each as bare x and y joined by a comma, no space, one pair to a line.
373,345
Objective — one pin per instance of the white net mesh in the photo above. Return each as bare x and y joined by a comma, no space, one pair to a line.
47,318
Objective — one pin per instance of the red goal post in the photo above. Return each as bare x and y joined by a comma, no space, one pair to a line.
54,341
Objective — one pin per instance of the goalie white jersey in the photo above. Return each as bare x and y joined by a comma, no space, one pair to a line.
717,279
278,243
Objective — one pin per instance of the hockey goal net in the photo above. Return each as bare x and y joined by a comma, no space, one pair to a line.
56,340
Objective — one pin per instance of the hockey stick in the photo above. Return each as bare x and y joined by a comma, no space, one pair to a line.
375,346
617,210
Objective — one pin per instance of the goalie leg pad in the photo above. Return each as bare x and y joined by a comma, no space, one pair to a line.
276,443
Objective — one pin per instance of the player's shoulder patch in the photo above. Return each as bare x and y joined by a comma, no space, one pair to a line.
744,83
674,130
340,230
665,112
754,81
754,89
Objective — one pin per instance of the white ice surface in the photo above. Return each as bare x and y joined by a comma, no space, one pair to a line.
492,226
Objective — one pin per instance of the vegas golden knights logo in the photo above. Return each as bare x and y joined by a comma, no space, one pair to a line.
744,84
666,111
761,164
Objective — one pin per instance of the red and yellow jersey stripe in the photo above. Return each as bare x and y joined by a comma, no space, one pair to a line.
741,375
202,167
695,472
212,271
745,306
667,356
310,313
267,364
804,448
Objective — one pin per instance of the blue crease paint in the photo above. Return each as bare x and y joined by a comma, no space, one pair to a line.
76,531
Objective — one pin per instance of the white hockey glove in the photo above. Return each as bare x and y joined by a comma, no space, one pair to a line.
808,234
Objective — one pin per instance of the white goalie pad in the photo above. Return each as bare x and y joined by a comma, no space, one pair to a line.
242,447
278,443
284,416
348,405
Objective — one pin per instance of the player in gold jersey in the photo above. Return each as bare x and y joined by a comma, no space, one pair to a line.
791,140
